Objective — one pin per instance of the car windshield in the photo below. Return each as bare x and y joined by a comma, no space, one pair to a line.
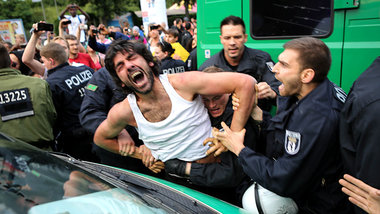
34,181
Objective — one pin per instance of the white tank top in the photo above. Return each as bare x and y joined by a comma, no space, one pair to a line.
181,134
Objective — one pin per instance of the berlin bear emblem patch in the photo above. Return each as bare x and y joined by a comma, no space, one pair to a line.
292,142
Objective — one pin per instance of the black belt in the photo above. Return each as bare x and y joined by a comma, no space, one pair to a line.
257,199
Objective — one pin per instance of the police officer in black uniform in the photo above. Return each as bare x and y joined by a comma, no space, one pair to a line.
67,84
359,124
168,65
101,94
226,179
236,57
302,159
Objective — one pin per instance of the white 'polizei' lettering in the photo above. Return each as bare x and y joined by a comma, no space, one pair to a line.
174,70
79,78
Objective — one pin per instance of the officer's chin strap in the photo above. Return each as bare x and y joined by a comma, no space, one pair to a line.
257,199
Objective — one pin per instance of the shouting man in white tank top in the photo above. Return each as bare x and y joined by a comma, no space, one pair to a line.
167,110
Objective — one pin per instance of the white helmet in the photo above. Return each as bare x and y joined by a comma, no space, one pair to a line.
270,202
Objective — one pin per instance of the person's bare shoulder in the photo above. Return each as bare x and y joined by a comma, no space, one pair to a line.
185,83
121,113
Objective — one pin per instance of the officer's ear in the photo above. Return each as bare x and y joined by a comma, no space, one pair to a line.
307,75
151,64
52,61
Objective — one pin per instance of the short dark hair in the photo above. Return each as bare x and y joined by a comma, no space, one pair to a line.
188,26
177,20
5,60
166,47
314,54
173,32
127,46
232,20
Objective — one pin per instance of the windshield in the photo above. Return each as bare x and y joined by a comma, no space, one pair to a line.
33,181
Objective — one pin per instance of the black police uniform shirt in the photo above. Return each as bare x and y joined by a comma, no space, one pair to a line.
359,127
302,160
253,62
172,66
67,84
101,94
191,62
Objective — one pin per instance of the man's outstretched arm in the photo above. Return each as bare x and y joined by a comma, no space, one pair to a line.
29,52
189,84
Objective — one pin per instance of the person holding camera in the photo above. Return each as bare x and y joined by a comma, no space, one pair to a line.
29,56
74,20
100,47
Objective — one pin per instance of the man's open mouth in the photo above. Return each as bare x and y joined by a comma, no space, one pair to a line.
137,77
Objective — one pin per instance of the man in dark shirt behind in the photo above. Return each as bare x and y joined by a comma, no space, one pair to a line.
235,56
359,122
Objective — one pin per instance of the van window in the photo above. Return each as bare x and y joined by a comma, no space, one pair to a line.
290,18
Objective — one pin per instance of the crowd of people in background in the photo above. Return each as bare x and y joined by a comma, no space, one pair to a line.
295,158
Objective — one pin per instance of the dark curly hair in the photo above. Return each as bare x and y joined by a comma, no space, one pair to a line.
127,46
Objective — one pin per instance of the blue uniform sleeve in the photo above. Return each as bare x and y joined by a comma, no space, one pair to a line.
291,175
364,149
267,75
119,35
95,105
99,47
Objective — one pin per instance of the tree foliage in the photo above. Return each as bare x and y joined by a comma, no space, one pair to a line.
104,10
16,9
99,10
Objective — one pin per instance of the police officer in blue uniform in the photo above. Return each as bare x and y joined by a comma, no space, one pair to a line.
359,124
302,159
236,57
67,84
101,94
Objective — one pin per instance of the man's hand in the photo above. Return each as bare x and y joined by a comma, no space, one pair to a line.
126,143
90,31
215,146
176,167
61,23
36,32
265,91
361,194
147,157
234,141
157,166
103,30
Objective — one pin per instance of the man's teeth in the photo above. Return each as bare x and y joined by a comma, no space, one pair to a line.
135,74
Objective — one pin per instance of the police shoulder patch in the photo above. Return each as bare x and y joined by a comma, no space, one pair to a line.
91,87
340,94
292,142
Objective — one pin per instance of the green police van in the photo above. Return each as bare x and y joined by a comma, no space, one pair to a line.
351,29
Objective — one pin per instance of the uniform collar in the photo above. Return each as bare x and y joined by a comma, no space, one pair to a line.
286,105
223,64
58,67
9,71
